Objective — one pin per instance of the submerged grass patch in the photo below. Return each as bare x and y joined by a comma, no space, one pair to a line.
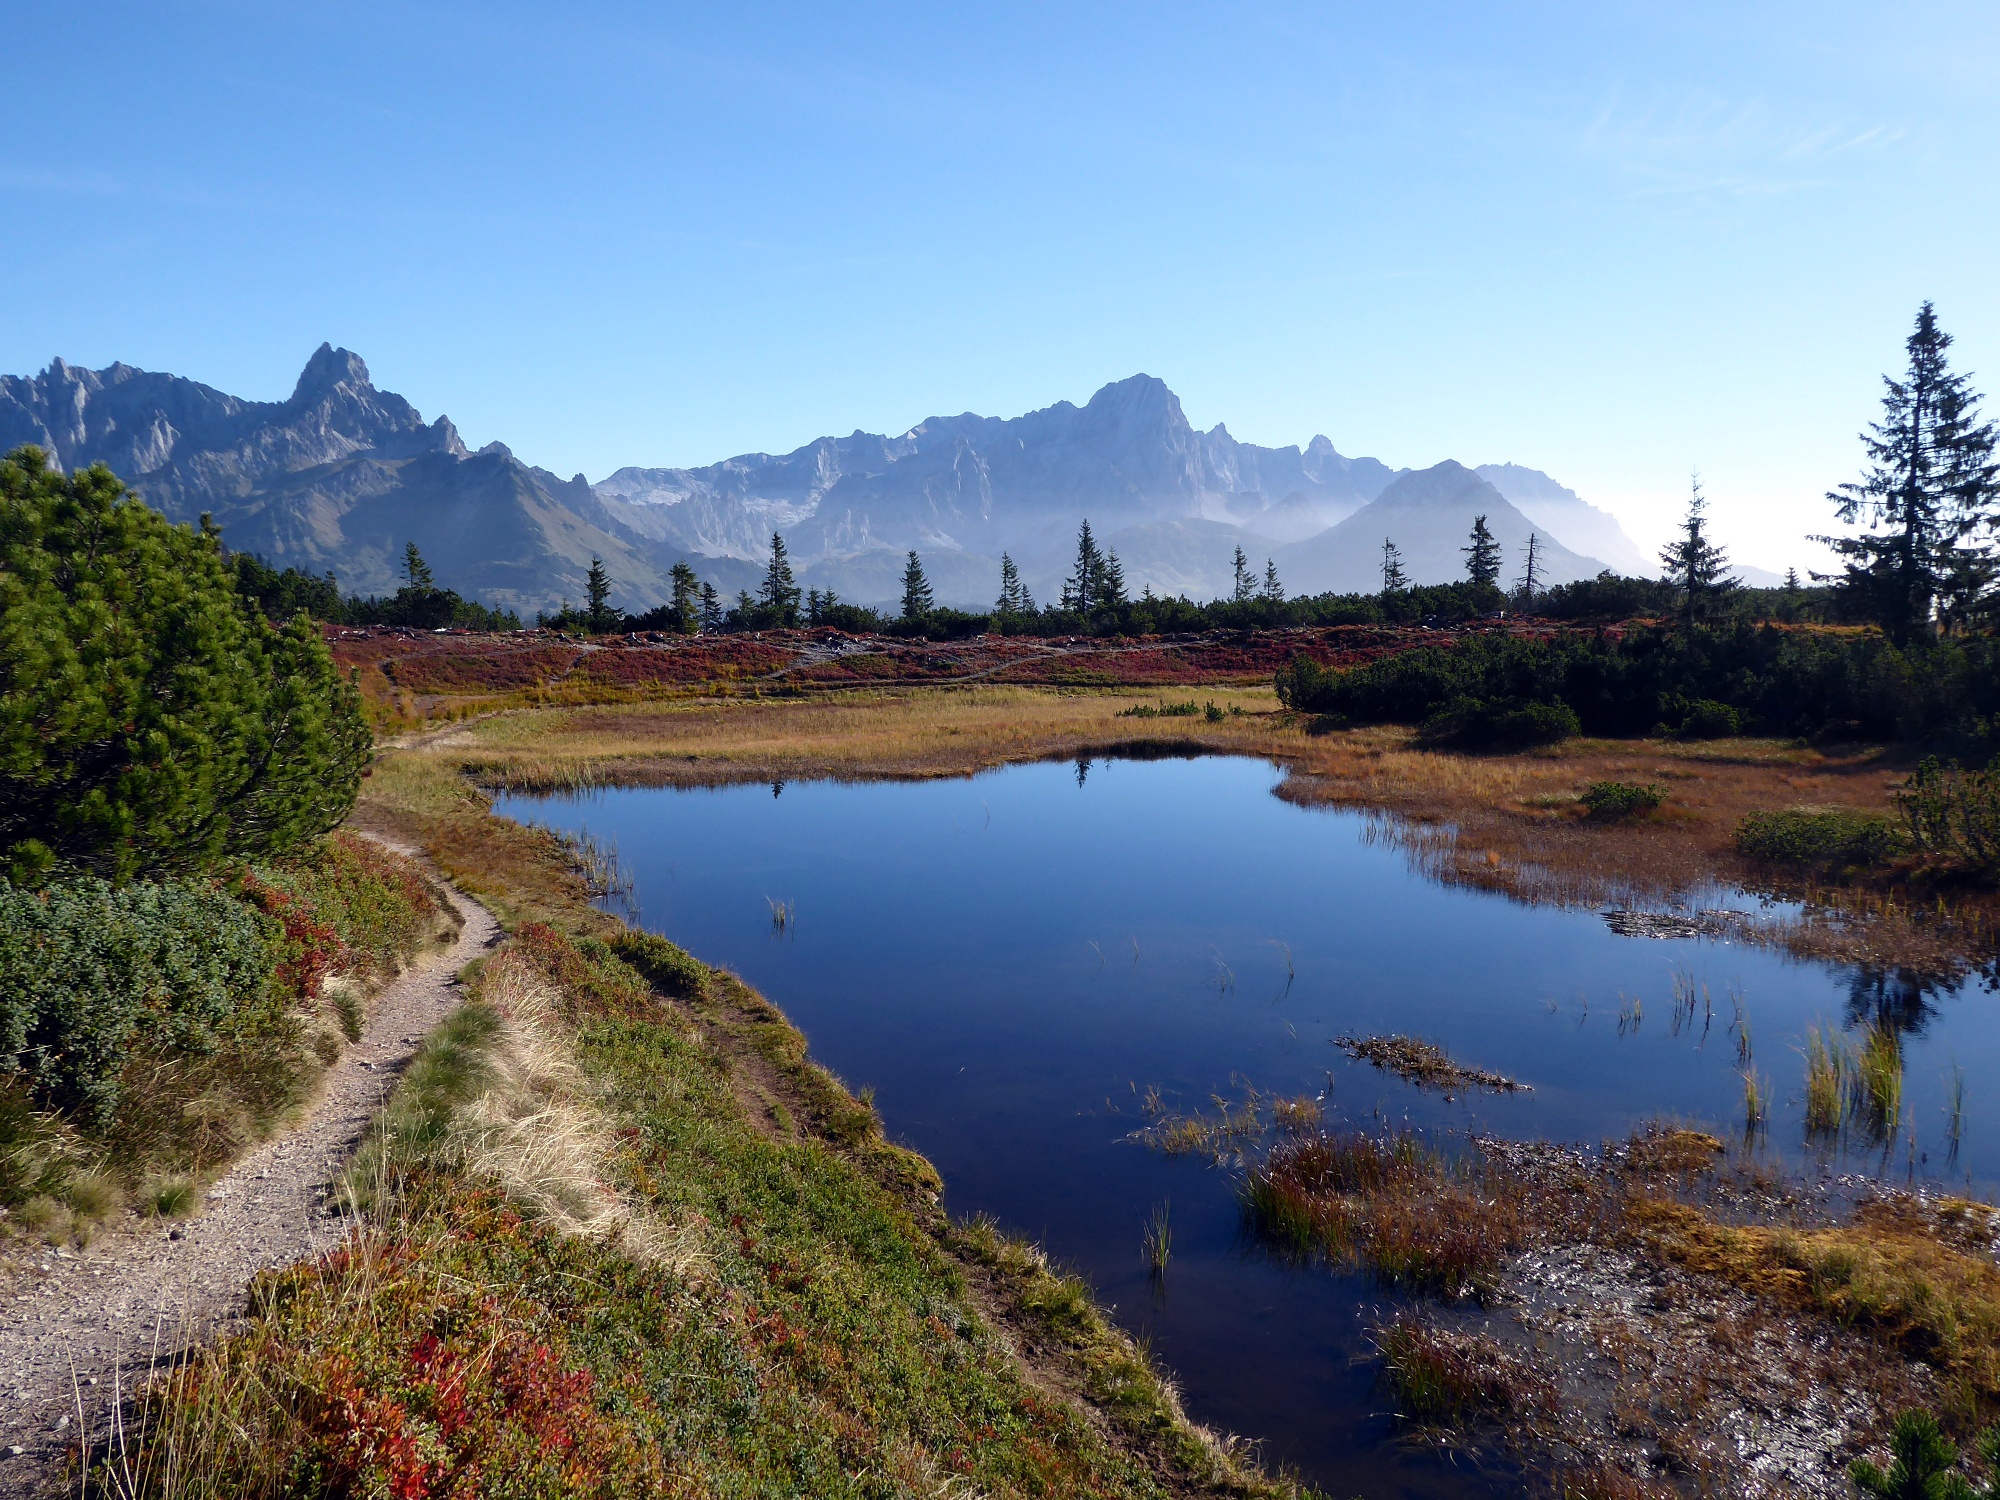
1424,1063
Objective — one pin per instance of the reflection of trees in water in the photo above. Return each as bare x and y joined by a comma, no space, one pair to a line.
1895,998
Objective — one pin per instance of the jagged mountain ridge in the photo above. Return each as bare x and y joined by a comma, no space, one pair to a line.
338,476
984,485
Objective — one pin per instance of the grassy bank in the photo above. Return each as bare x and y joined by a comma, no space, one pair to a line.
162,1029
621,1237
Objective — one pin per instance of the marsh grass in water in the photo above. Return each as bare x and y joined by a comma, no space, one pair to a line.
1425,1064
1157,1240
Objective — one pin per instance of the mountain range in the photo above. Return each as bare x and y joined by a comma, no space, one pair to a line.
340,475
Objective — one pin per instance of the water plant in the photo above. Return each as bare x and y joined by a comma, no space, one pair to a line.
1875,1090
1447,1378
783,915
1756,1102
1827,1062
1157,1240
1954,1108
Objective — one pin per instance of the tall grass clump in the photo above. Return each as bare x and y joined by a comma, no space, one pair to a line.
1876,1089
1444,1378
1389,1204
1157,1240
1827,1065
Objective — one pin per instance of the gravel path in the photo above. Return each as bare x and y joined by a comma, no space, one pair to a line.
90,1322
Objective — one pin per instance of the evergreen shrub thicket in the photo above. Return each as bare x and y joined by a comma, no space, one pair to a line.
91,973
1824,838
1691,682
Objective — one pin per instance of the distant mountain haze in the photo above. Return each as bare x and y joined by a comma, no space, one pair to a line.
1428,514
340,475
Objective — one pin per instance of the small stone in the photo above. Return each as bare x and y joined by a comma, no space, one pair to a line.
176,1234
15,1450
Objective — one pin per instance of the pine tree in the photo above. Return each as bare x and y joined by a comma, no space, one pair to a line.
1530,583
1394,579
168,733
1080,590
1925,1465
1274,591
711,610
917,599
1931,486
416,572
779,595
1482,557
1694,564
1242,582
686,598
1009,603
597,591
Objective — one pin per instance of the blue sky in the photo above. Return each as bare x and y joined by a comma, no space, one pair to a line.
1614,241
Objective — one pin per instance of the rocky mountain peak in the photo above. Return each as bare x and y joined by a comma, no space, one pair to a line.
327,371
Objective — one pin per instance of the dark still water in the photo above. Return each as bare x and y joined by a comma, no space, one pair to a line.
1012,961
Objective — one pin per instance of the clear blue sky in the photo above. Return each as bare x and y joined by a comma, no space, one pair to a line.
1615,241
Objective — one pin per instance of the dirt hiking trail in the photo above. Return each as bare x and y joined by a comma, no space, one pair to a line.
90,1323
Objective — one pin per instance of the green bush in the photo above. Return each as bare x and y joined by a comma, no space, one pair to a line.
1706,719
90,973
1791,682
1505,724
1823,838
1611,800
149,722
1954,812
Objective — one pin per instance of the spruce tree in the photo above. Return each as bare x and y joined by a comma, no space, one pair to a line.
1394,579
1080,590
1009,603
1274,591
917,599
416,572
779,596
150,721
597,593
1931,487
1482,557
711,610
1243,583
1110,590
1694,564
686,598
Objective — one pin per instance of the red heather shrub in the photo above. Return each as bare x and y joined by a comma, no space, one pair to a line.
308,948
460,670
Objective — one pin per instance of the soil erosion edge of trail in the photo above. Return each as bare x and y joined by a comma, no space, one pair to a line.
78,1327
